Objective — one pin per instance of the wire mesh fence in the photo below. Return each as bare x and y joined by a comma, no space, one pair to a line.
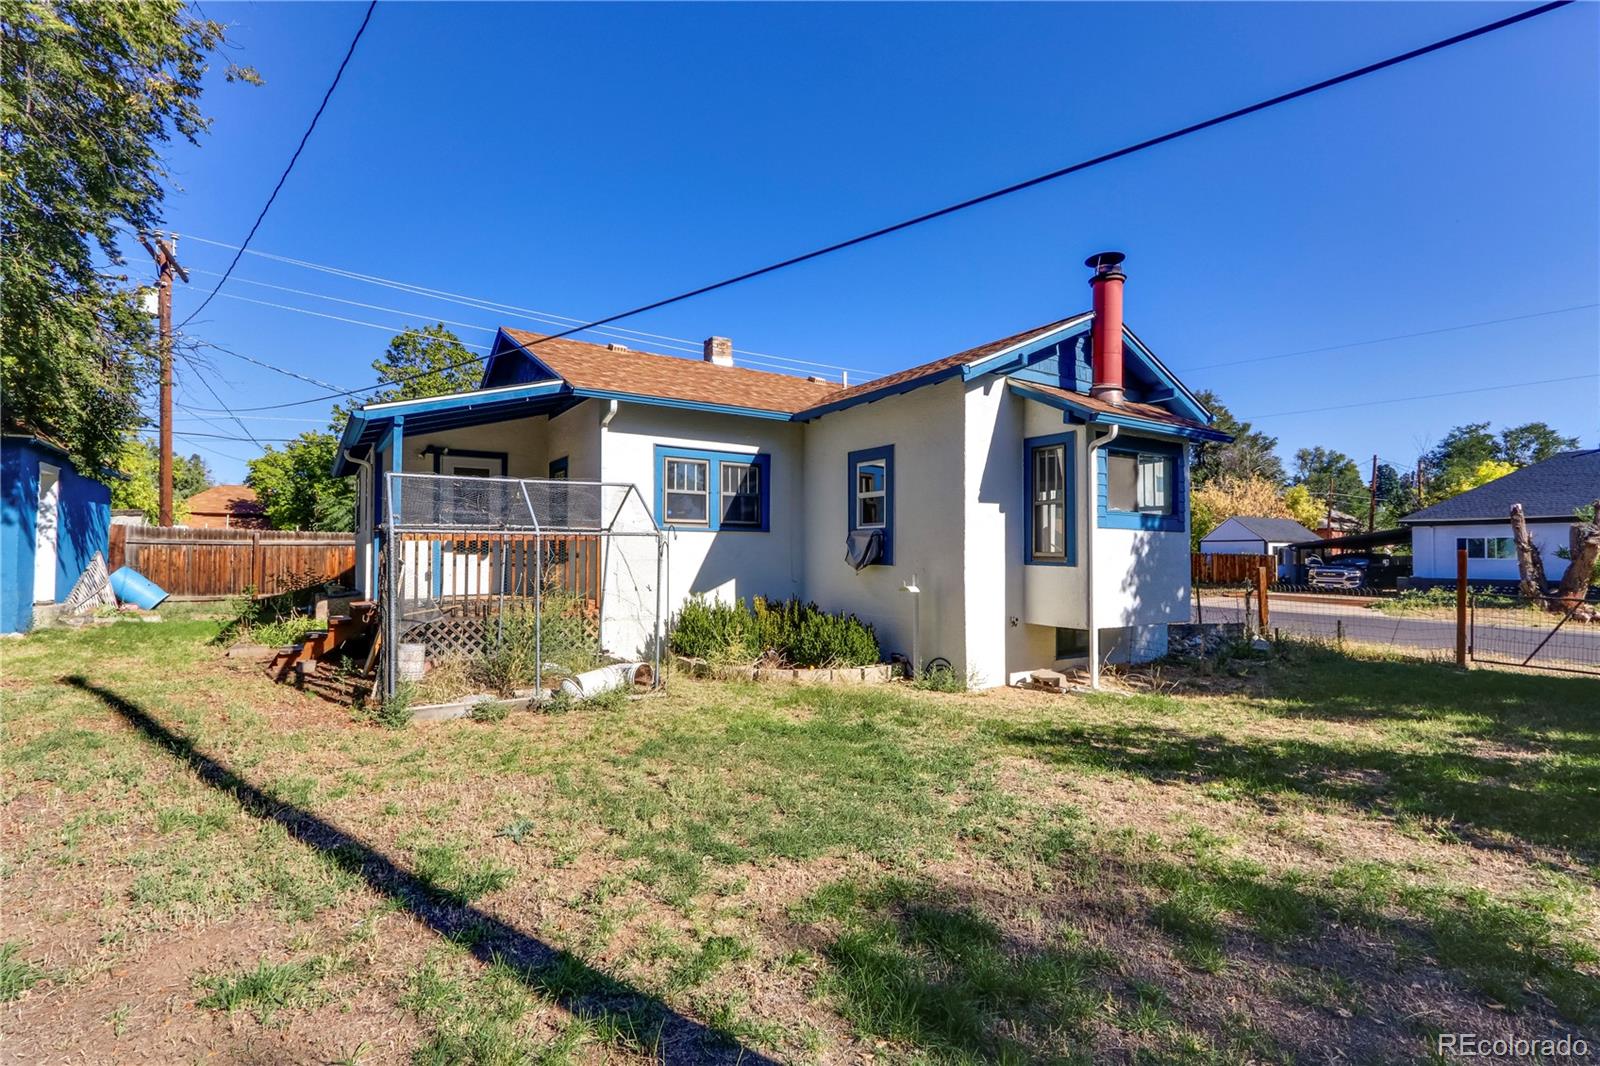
529,580
1549,635
1367,616
1222,604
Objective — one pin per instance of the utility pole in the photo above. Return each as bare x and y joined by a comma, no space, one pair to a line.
165,254
1420,503
1372,500
1330,507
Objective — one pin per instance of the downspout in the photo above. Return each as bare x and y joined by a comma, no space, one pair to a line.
611,412
366,501
1092,480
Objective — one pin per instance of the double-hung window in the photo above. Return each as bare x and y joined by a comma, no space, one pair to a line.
685,489
741,494
1049,479
871,472
712,490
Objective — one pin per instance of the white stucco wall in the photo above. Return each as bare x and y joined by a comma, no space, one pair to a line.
925,427
1141,576
727,564
1433,550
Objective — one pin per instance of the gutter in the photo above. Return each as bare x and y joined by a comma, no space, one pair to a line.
1091,478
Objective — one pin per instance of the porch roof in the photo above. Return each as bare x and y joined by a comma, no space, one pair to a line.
369,425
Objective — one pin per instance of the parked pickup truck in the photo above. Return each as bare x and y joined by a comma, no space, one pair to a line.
1356,571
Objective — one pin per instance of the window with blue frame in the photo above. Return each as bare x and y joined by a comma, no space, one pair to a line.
1142,487
1050,477
713,491
871,473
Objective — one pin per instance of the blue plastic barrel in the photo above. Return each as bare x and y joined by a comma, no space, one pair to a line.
133,587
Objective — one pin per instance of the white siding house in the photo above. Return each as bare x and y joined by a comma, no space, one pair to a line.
1028,485
1480,521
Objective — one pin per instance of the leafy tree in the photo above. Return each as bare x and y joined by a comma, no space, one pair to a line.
1302,508
1453,460
1485,472
91,91
1533,442
139,487
296,486
1319,468
430,361
1252,453
1217,501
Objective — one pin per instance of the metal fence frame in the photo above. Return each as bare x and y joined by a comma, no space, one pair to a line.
462,526
1481,619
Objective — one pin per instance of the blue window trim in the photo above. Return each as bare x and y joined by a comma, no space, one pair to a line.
1070,457
1178,520
559,467
714,461
886,453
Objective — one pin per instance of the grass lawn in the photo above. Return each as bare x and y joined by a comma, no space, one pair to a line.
1330,859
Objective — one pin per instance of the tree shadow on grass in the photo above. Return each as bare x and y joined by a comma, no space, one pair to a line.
652,1026
1482,798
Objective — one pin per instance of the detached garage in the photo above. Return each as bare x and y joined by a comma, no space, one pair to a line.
52,521
1251,535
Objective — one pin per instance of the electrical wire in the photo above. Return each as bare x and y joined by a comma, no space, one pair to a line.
1425,396
203,380
484,304
1395,337
338,74
1041,179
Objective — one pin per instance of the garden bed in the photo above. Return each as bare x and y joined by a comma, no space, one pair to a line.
880,674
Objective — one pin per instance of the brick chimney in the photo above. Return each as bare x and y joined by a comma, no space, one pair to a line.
719,350
1106,338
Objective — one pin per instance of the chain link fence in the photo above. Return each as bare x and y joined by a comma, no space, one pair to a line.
531,580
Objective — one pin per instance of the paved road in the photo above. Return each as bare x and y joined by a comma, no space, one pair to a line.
1492,638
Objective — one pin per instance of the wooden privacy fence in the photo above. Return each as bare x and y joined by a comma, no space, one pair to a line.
1228,569
202,564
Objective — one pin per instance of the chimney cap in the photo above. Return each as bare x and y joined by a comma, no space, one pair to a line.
1104,262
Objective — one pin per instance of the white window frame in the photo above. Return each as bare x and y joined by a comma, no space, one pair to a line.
667,490
882,495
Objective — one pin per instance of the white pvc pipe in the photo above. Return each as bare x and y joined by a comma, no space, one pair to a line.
621,675
1091,496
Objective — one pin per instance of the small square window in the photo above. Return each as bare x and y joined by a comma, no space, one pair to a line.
741,494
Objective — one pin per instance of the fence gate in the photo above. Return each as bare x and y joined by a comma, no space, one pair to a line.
1511,631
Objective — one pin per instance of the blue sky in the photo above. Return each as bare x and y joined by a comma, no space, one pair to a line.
584,159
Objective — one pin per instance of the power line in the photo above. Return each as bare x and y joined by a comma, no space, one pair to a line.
338,74
1395,337
1424,396
190,364
484,304
269,366
1054,175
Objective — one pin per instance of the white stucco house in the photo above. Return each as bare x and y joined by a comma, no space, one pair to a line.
1479,521
1030,484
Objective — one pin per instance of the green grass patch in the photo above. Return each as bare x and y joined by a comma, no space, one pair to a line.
447,873
17,975
266,989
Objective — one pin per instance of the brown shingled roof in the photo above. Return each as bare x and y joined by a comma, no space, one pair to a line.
593,366
1147,411
971,355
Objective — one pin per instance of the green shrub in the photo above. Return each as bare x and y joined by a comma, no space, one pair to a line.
799,634
511,654
395,712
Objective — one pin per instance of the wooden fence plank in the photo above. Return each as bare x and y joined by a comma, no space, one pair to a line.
192,564
1207,569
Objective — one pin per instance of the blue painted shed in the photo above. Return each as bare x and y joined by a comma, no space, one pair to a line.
52,521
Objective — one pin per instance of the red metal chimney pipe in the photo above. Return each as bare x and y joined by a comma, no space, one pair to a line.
1106,336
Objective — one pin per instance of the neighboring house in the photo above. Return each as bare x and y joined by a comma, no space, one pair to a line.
52,521
1254,535
1338,524
1479,521
1025,483
226,507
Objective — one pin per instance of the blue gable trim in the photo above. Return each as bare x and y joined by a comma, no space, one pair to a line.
511,363
713,461
872,395
1076,412
684,405
886,453
1070,493
1178,520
